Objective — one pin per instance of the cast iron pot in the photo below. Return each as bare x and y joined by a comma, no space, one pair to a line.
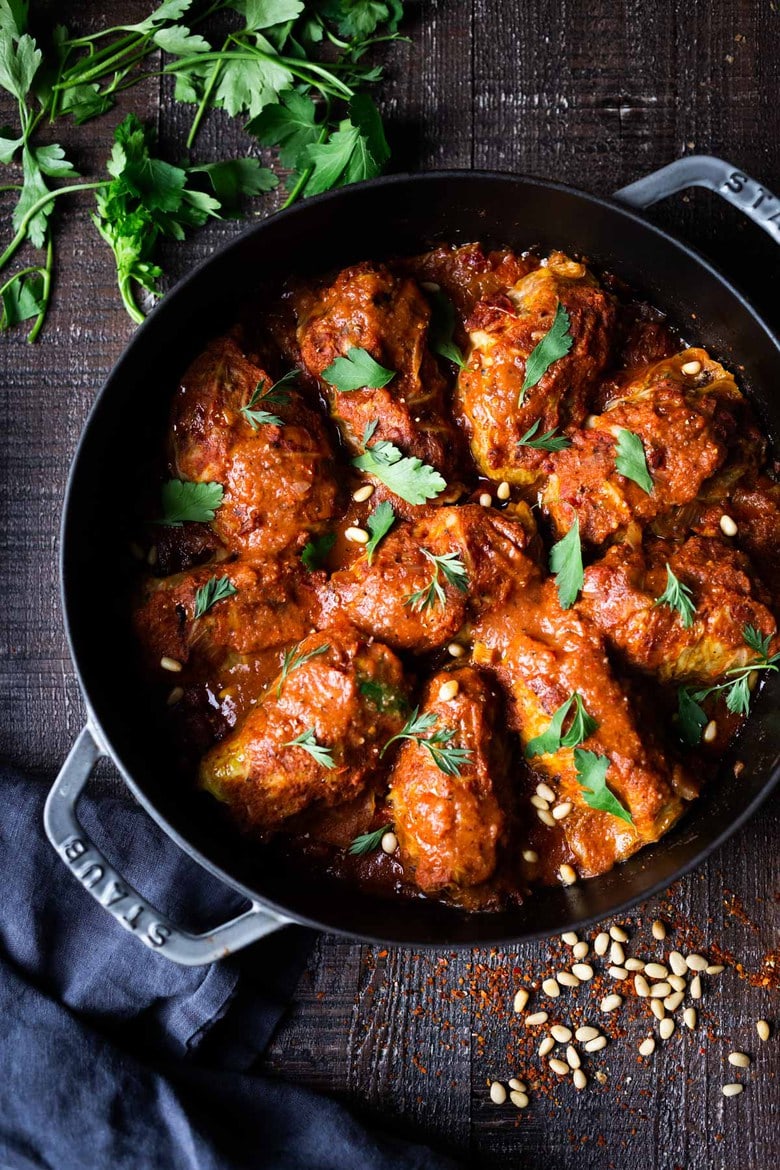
395,215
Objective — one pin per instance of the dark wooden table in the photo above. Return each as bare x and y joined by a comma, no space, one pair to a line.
596,94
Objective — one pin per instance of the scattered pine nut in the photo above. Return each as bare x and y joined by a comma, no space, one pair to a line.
356,535
617,972
566,979
550,987
618,934
175,696
665,1028
570,938
561,1033
632,964
171,664
656,970
691,368
561,811
596,1044
531,856
546,793
558,1066
580,1080
732,1090
690,1017
430,286
658,1009
601,943
363,493
710,732
572,1057
449,690
727,526
580,950
659,930
497,1093
486,499
695,987
715,969
616,954
739,1059
677,963
673,1001
567,873
660,990
520,1000
583,971
610,1002
586,1032
762,1027
647,1047
539,802
502,491
389,843
546,1045
518,1086
545,817
677,982
519,1099
641,986
455,650
535,1019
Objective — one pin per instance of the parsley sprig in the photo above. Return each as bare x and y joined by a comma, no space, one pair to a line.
275,395
631,461
186,502
294,658
308,741
406,475
315,551
216,589
555,344
549,441
677,596
554,738
566,564
379,524
448,759
735,688
357,371
451,567
369,842
591,775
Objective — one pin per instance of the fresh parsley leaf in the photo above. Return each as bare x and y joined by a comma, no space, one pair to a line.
245,86
691,718
631,460
566,564
22,297
454,572
183,501
308,741
216,589
442,327
379,524
275,395
365,116
168,10
549,441
357,371
361,18
294,658
262,14
13,17
315,551
757,641
234,178
407,476
591,774
555,344
179,41
348,155
290,124
447,759
677,596
551,740
738,695
368,433
369,842
20,60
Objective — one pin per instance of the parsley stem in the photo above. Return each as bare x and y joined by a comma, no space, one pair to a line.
39,205
306,174
78,76
45,291
204,101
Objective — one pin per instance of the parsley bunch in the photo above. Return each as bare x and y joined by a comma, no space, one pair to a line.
293,71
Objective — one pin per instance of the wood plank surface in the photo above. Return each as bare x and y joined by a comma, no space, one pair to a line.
595,94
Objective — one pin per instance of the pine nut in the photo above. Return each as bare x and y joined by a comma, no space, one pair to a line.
647,1047
171,664
656,970
567,873
597,1044
518,1086
610,1002
617,972
497,1093
550,987
660,990
673,1001
389,843
601,943
176,695
691,368
486,499
618,934
732,1090
561,1033
616,954
739,1059
546,793
710,732
583,971
151,556
715,969
762,1027
520,1100
520,1000
696,963
363,493
677,963
534,1020
531,856
728,526
546,1045
586,1033
658,1009
356,535
690,1017
573,1057
448,690
641,986
570,938
580,1080
502,491
665,1028
545,817
659,930
558,1066
580,950
539,802
566,979
677,982
430,286
455,650
632,964
561,811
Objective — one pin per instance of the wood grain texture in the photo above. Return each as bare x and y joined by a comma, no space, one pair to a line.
594,94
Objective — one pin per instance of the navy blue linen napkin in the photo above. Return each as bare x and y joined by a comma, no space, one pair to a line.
111,1057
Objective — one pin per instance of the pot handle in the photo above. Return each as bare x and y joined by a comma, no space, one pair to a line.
702,170
96,874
